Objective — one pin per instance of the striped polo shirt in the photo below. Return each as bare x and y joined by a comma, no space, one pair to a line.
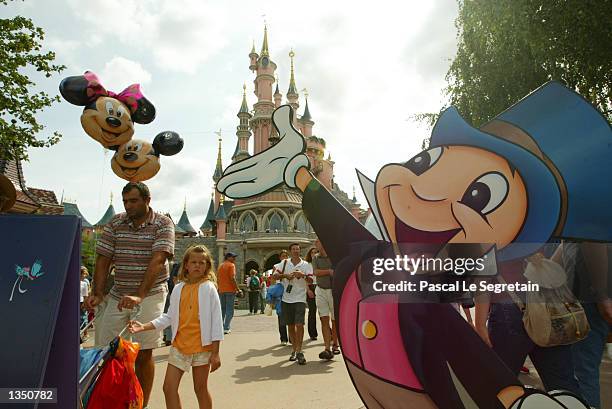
131,249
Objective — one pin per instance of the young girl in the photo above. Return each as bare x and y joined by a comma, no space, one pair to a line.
197,328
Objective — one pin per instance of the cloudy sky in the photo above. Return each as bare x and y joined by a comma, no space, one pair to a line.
367,66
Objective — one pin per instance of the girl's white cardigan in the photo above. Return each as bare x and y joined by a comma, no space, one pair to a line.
211,324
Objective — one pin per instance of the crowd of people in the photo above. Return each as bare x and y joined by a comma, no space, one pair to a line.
192,307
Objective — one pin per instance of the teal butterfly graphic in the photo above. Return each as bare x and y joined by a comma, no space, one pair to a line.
31,273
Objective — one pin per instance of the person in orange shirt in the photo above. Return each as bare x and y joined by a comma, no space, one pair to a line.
228,289
197,328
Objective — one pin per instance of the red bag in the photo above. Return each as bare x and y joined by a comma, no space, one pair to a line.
118,387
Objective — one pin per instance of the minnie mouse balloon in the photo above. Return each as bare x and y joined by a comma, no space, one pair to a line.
108,117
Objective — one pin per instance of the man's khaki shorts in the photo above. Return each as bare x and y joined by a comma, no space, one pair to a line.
112,321
184,362
325,302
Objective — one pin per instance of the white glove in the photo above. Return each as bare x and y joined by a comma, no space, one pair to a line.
553,400
271,167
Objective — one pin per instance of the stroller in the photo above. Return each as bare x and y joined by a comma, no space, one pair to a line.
104,363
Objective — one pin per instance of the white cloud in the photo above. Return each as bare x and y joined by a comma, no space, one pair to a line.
120,72
180,34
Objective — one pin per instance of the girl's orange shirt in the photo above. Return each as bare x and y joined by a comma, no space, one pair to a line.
188,338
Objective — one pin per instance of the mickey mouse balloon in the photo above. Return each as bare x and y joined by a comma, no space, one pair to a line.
137,160
108,117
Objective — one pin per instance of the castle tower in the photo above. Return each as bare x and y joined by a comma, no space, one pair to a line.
243,133
218,173
261,123
292,94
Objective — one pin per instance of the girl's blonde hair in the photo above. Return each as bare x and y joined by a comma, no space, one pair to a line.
209,273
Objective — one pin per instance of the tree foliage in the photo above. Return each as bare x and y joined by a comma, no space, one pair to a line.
506,49
20,51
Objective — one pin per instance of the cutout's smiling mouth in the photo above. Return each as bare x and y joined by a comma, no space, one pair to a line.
408,234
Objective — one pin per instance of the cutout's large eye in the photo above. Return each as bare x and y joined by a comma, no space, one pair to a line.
486,193
120,111
424,161
137,147
109,107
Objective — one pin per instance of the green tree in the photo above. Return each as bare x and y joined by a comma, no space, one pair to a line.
20,51
506,49
88,252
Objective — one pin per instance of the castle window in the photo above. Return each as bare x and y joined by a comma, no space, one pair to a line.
275,222
302,225
248,223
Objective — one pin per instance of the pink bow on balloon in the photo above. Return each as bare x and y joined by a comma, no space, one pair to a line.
128,96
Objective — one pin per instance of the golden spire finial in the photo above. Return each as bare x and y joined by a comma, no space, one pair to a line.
185,204
305,91
244,90
264,47
111,198
253,48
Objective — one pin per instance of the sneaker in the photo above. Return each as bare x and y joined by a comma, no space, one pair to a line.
227,331
313,338
284,343
336,350
300,358
293,356
326,354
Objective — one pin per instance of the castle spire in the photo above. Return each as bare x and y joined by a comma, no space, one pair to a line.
276,92
244,107
306,116
253,48
219,168
264,46
292,88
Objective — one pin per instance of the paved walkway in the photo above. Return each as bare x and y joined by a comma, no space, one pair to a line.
255,371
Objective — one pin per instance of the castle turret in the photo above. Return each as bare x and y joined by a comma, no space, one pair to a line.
207,227
108,215
306,120
184,223
261,123
278,97
221,219
243,133
253,56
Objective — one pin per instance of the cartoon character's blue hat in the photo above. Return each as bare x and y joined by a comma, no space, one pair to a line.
562,148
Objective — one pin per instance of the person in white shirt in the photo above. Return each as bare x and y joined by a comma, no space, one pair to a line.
295,278
84,293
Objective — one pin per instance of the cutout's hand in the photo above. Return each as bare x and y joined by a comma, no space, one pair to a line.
277,164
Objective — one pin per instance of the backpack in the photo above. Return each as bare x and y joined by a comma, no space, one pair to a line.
551,316
254,283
